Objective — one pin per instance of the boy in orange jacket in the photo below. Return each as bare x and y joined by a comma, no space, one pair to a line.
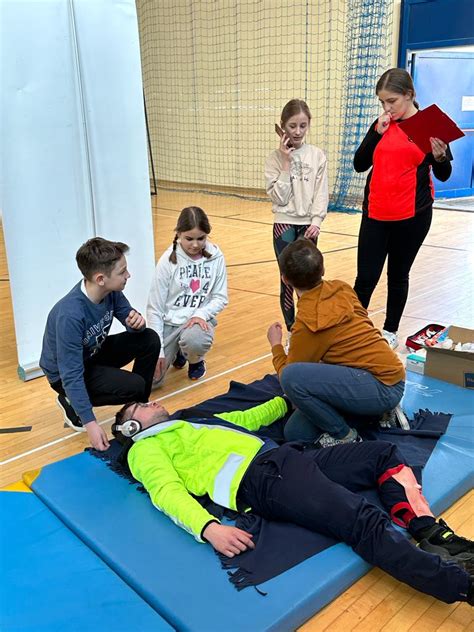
337,361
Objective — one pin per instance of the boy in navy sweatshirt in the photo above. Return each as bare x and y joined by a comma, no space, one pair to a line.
82,363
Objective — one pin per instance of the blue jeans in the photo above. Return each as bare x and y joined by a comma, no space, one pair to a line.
323,393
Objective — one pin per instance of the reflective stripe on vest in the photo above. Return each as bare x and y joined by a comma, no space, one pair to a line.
224,478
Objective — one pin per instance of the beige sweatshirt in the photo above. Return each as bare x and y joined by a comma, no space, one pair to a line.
299,196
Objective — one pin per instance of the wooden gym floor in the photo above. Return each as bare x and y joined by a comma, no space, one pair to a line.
440,291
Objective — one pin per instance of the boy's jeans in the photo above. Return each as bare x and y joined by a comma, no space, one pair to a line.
323,393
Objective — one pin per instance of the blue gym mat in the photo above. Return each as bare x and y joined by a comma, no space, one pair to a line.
51,581
181,579
449,473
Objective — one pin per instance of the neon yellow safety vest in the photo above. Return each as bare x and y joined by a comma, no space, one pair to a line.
185,458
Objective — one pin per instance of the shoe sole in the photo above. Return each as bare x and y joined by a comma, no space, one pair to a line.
67,421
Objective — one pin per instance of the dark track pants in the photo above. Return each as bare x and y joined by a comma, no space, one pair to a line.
400,242
315,489
107,383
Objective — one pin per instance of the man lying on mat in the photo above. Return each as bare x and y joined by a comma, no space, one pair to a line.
175,459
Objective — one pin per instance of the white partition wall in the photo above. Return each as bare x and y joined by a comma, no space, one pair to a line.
73,151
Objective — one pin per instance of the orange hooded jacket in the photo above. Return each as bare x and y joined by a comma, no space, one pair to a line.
331,326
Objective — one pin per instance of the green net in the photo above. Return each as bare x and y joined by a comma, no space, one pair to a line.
217,74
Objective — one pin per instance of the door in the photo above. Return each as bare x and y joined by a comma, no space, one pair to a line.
447,79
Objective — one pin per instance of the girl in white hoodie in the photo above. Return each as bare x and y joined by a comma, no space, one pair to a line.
189,289
297,183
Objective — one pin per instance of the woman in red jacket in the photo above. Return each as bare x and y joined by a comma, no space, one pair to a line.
398,197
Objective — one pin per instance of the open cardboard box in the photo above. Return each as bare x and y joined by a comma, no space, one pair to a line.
456,367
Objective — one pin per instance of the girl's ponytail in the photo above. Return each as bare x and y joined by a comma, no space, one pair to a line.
173,258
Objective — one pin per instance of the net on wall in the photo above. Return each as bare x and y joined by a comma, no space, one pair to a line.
218,72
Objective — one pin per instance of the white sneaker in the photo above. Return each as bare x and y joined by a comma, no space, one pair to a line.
286,346
391,338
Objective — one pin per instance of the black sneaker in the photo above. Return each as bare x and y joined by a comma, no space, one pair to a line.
71,418
179,361
440,539
197,370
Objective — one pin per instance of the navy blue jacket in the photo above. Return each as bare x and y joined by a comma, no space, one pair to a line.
75,330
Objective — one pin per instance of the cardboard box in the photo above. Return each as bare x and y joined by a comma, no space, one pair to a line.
456,367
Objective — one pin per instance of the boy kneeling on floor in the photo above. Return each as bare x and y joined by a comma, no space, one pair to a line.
337,361
80,359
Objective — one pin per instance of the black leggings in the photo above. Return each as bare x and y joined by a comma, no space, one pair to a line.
400,241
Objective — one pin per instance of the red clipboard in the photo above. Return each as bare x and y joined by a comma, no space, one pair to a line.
431,122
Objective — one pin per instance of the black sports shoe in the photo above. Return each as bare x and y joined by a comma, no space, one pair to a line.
71,418
440,539
179,361
197,370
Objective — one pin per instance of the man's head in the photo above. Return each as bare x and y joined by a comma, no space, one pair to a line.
301,265
103,262
135,417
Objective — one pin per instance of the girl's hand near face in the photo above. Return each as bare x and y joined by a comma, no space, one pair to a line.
285,150
383,123
438,149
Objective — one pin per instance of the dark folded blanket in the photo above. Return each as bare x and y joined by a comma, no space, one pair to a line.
281,545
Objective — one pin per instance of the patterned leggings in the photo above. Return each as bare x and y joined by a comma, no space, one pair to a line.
284,234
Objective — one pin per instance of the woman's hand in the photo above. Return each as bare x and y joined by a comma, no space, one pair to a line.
312,232
438,149
195,320
383,123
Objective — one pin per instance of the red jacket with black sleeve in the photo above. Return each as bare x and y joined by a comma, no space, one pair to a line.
399,185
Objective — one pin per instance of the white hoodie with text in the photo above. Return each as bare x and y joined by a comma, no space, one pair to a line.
191,287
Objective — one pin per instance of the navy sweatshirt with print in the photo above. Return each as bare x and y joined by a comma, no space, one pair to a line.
75,330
